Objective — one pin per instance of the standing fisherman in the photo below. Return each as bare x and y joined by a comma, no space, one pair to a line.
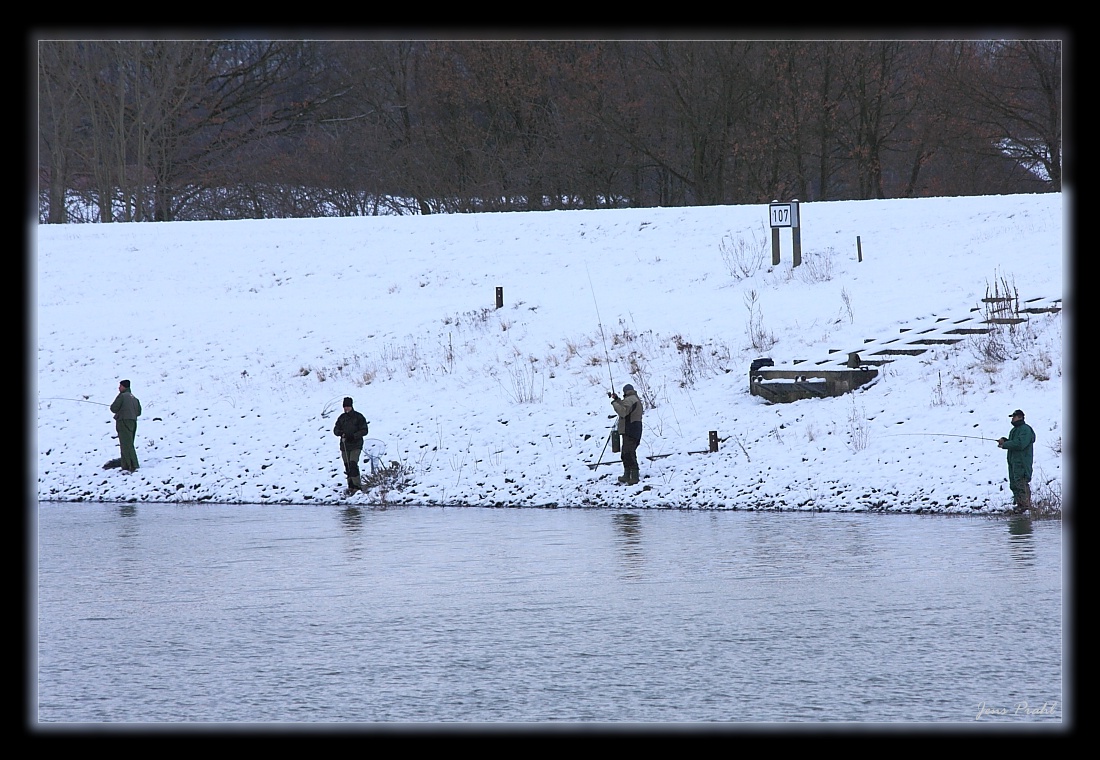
127,409
351,426
1020,445
629,408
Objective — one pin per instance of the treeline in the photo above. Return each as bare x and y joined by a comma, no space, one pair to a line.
187,130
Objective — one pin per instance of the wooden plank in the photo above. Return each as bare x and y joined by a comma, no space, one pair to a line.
901,351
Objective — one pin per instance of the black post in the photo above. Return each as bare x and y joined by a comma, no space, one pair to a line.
714,440
500,297
615,442
796,234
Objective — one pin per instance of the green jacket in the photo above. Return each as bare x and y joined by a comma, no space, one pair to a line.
1020,446
126,406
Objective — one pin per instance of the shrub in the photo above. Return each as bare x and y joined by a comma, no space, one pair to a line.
689,361
859,433
743,258
759,338
1046,498
817,267
640,373
395,477
527,383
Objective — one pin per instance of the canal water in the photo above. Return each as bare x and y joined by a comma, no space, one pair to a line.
215,614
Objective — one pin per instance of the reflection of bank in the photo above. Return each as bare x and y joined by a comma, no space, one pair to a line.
628,526
1020,533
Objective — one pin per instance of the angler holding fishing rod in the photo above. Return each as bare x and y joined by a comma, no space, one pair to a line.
351,427
127,409
1020,445
628,409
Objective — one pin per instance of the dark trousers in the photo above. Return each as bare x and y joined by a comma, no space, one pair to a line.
1021,488
127,432
630,452
351,466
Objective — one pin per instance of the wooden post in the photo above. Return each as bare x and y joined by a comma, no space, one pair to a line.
714,440
796,233
859,250
500,297
775,246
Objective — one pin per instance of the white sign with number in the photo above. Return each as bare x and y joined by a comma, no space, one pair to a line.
784,214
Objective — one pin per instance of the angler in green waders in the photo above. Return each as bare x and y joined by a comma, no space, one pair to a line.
127,409
1020,445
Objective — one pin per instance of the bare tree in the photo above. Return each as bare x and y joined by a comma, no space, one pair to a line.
1010,93
59,115
162,120
878,98
162,130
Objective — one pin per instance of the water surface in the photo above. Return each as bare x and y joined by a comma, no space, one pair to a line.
205,613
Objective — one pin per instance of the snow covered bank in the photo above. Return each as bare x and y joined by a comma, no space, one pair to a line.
240,338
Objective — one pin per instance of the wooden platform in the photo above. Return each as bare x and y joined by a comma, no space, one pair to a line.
781,386
844,370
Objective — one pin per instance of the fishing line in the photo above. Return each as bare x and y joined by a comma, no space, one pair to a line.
78,400
948,435
600,319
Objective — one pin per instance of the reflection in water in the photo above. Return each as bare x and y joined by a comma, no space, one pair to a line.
271,613
352,519
1020,526
629,535
129,542
1021,542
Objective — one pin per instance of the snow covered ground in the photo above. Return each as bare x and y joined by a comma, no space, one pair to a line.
241,338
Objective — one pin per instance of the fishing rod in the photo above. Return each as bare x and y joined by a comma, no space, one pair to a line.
603,337
949,435
78,400
607,355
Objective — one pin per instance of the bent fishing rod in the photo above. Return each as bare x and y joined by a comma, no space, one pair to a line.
607,356
603,337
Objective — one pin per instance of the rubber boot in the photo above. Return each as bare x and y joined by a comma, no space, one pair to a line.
632,478
624,479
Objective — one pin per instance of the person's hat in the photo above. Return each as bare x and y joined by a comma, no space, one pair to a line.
124,383
628,388
347,401
1017,413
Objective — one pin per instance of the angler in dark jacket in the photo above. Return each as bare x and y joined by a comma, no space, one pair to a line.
629,408
1020,445
127,409
351,426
